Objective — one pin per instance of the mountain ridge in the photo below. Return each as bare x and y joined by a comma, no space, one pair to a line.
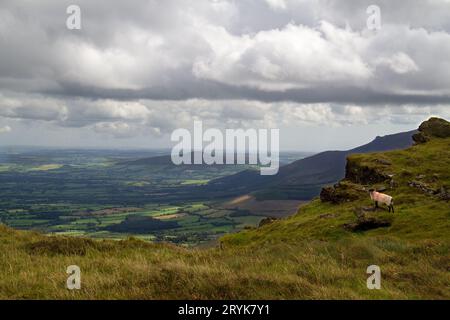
304,178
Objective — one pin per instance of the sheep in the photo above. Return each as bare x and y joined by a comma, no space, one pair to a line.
382,198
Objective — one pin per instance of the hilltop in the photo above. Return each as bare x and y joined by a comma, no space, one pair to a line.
321,252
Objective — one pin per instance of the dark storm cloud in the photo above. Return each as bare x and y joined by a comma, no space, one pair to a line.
212,90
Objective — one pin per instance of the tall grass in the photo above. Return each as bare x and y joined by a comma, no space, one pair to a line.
33,267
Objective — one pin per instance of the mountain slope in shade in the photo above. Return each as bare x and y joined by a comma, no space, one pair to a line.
303,179
166,160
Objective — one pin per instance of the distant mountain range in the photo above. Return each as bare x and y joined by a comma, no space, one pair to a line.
299,180
303,179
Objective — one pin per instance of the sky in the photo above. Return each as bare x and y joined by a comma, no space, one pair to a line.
137,70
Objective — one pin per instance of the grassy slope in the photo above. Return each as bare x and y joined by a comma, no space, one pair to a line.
308,255
418,216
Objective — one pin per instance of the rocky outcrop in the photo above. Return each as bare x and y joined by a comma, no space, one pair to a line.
444,194
365,221
441,192
328,194
340,193
423,187
362,174
378,171
433,128
267,220
328,215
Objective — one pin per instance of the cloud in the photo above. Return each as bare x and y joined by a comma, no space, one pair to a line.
216,50
427,14
277,4
116,129
5,129
127,119
32,108
131,72
293,57
83,112
399,63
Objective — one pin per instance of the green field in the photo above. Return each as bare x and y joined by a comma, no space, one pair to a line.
197,222
87,193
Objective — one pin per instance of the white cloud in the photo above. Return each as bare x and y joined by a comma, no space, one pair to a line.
116,129
5,129
32,108
125,119
400,63
277,4
295,56
100,110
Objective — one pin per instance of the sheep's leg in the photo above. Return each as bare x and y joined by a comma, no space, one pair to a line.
392,208
376,204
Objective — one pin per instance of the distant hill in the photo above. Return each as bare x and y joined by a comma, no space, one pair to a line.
141,225
163,160
166,160
303,179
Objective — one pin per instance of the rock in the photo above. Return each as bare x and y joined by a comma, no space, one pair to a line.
267,220
328,195
328,215
444,194
383,162
362,174
435,177
423,187
432,128
339,193
364,222
367,224
420,138
392,184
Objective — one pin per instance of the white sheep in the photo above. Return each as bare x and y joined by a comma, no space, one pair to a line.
382,198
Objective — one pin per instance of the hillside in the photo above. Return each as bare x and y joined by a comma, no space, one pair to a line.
418,178
321,252
303,179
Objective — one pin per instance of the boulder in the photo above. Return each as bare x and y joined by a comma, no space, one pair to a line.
267,220
432,128
363,174
340,193
365,221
